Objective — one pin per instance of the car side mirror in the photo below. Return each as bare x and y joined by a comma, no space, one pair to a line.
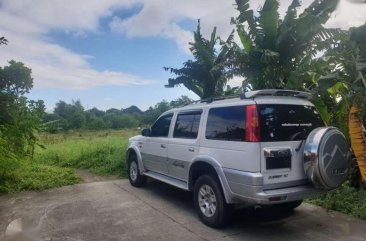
146,132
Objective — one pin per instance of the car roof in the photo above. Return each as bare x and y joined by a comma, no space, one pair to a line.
269,96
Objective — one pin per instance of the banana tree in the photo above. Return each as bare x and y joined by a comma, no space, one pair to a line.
207,74
356,70
347,86
278,53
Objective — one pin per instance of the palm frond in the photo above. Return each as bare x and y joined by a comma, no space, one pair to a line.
291,13
320,9
245,39
268,21
246,16
207,74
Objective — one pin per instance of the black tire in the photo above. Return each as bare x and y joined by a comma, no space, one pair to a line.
136,179
287,206
220,216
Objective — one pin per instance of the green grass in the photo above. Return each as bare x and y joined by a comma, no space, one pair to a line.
34,176
101,152
345,199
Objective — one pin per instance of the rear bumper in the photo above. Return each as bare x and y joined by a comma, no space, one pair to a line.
248,188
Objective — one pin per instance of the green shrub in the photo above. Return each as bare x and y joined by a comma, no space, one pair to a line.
345,199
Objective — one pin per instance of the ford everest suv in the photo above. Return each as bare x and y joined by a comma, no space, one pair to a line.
269,147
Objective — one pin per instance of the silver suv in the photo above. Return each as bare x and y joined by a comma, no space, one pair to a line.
269,147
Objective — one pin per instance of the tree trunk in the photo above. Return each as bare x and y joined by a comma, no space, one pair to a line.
358,140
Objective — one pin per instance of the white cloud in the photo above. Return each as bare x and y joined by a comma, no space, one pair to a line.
25,23
348,14
75,15
161,18
56,67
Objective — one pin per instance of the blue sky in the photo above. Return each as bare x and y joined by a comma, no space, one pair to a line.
144,57
111,53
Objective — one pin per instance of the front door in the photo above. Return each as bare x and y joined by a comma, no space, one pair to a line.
155,149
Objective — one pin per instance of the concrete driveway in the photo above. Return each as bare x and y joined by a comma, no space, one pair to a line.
114,210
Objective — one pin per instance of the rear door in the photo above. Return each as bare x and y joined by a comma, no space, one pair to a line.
155,149
184,145
283,131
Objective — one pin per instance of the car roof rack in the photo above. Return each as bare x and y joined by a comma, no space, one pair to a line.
212,99
275,92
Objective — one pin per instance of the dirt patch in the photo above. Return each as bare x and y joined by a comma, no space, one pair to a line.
88,177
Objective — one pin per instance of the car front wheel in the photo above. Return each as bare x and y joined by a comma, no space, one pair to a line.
209,201
136,179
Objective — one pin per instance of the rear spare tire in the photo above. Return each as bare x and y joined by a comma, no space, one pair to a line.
327,157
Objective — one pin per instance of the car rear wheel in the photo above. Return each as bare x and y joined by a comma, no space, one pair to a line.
136,179
209,201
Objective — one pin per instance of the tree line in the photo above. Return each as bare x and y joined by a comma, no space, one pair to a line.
73,116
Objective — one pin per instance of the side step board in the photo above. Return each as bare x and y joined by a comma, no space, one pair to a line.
169,180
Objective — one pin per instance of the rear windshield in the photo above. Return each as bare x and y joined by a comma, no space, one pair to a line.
287,122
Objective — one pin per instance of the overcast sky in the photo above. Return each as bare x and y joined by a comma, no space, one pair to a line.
110,53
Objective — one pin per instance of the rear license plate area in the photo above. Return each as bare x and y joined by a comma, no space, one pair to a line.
278,158
278,162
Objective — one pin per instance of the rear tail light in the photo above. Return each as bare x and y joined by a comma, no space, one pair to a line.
252,124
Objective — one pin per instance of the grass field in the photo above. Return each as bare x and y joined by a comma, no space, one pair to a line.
101,152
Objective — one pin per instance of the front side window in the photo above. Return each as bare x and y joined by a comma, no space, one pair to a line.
226,123
161,126
187,125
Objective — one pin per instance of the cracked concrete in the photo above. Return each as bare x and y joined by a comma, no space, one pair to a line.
114,210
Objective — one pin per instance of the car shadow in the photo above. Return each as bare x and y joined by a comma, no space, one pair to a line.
248,216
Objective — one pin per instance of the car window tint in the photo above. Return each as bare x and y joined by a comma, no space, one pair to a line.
161,126
226,123
187,125
287,122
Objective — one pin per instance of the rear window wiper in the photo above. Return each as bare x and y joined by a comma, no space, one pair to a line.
300,145
303,131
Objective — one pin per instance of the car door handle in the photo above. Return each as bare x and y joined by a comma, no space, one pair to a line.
163,146
191,149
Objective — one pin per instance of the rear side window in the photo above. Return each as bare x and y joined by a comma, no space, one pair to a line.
226,123
287,122
161,126
187,125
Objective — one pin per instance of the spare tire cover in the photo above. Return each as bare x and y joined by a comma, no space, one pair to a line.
327,157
